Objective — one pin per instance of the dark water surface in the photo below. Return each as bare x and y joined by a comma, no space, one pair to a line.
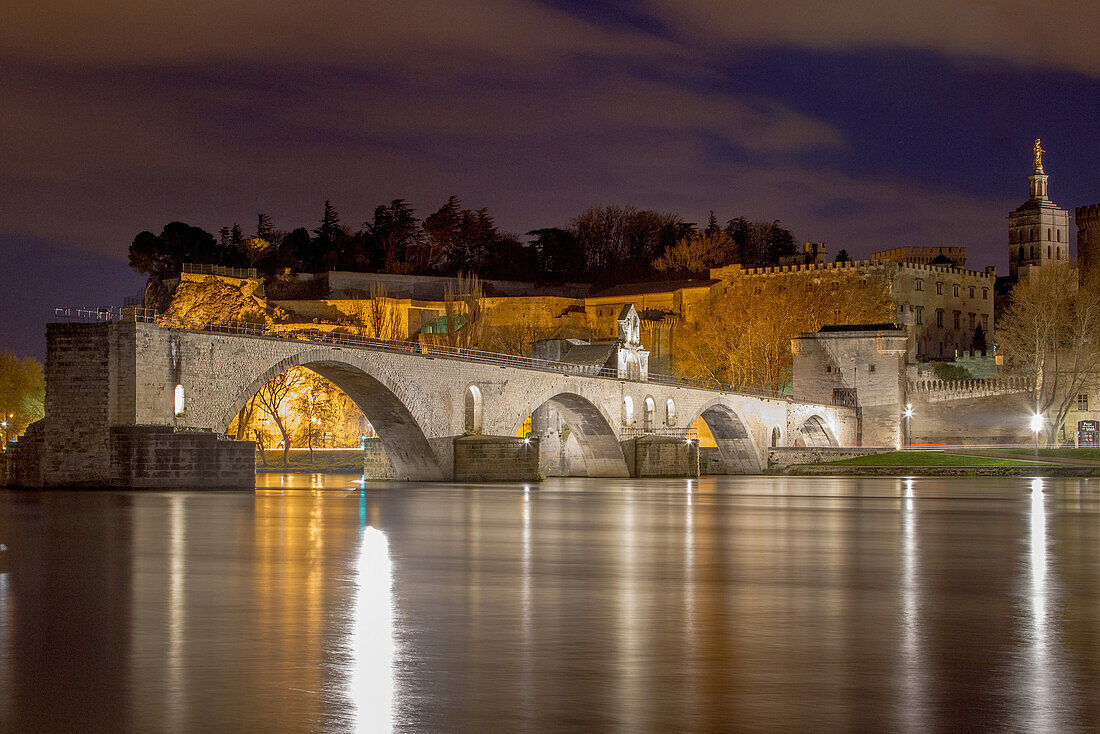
724,604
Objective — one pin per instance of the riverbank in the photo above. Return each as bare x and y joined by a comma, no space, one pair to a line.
331,461
1007,463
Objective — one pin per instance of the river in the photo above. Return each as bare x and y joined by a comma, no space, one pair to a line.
721,604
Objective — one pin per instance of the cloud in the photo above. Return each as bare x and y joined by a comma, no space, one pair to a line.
1054,34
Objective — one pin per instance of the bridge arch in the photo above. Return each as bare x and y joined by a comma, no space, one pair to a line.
398,429
592,427
815,432
732,437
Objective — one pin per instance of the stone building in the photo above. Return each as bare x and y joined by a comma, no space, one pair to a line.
1087,219
937,255
813,253
1038,229
941,306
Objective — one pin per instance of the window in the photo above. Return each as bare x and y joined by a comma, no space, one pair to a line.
957,315
670,412
1048,252
179,400
628,410
1031,252
1020,256
870,368
1057,235
920,314
939,289
828,368
1057,253
971,291
920,284
1082,401
955,290
1049,238
985,294
939,321
985,322
972,322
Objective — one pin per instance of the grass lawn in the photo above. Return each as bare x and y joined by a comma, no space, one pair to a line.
330,460
923,458
1087,454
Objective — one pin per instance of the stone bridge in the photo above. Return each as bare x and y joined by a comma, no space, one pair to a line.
439,417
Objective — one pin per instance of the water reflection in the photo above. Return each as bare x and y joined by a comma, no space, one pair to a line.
753,604
371,687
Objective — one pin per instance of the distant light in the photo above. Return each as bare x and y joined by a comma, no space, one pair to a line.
1037,422
526,440
908,410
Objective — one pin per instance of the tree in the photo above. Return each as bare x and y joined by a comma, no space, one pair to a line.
760,243
328,245
255,250
272,399
620,242
842,256
695,255
22,393
314,406
391,237
265,230
1050,333
743,335
712,224
464,308
162,255
978,343
556,254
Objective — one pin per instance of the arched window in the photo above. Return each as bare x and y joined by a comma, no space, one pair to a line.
628,411
1031,250
473,409
776,436
670,412
1057,253
1021,255
179,400
1049,237
650,414
1048,252
1057,235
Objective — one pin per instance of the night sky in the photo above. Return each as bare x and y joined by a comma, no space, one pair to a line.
867,124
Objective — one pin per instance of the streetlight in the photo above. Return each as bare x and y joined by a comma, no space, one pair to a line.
4,425
1036,426
908,423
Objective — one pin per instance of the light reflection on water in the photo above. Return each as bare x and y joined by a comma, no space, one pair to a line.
371,689
774,604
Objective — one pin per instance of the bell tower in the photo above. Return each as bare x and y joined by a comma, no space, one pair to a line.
1038,229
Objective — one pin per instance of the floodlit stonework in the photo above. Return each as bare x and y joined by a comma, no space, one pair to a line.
123,375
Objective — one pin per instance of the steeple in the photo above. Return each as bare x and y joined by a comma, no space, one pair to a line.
1038,178
1038,229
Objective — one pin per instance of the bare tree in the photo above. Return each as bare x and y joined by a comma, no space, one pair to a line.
464,308
272,398
743,336
1050,333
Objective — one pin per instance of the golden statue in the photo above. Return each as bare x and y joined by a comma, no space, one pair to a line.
1038,155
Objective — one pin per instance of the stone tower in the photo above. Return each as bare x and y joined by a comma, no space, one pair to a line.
1088,236
1038,230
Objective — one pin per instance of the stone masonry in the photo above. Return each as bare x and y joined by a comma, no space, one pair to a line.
103,376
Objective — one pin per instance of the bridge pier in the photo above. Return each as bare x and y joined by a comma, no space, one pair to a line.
663,456
496,459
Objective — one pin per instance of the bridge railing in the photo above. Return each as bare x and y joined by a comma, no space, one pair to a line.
397,346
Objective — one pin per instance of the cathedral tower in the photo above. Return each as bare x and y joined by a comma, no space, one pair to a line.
1038,230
